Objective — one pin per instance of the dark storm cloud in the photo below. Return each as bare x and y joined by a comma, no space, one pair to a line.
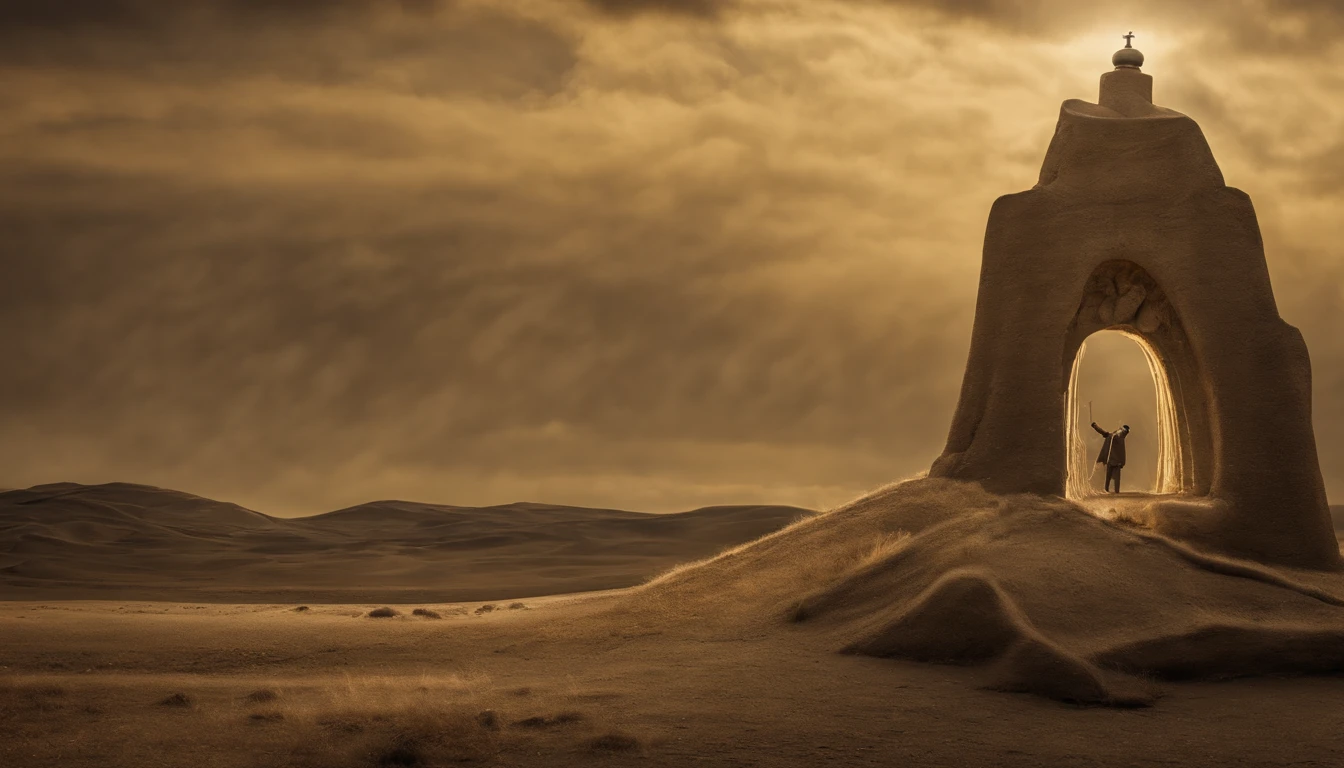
1011,12
1281,27
1294,28
699,8
433,48
1256,27
73,15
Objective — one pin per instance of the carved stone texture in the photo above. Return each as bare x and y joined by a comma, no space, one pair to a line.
1132,227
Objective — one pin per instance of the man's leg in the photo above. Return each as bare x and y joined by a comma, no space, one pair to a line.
1117,479
1110,473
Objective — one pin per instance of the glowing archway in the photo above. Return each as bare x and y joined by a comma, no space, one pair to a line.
1170,477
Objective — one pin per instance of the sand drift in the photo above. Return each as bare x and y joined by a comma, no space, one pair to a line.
1048,598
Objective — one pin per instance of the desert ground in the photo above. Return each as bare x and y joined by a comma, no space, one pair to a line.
925,624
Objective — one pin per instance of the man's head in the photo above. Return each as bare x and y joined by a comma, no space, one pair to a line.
1125,428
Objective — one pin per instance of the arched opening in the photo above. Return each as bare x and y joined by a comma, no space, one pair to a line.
1119,378
1123,310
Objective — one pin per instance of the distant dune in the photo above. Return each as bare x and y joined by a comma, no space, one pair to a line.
133,542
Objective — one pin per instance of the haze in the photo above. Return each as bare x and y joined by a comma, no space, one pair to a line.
646,255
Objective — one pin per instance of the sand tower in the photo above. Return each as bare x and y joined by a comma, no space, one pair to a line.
1131,228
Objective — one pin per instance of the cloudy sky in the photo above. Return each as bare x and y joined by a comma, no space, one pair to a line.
650,254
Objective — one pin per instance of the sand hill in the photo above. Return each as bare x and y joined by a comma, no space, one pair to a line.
133,542
1049,598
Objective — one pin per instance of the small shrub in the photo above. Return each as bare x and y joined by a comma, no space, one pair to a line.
341,724
613,742
488,719
177,700
425,735
564,718
517,606
487,608
798,612
427,613
301,609
404,750
567,718
383,613
261,696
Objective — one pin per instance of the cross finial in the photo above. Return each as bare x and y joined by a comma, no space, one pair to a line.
1128,39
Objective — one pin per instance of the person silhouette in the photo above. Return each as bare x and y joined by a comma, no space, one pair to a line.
1112,453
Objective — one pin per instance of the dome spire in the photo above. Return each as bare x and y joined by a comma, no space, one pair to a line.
1128,57
1127,89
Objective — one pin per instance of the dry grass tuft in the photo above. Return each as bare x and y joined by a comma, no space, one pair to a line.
33,697
614,741
386,721
365,721
731,552
1127,520
887,545
883,547
180,700
487,608
427,613
517,606
301,609
40,690
383,613
341,723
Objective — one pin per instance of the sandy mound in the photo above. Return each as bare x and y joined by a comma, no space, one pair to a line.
1047,597
1337,515
134,542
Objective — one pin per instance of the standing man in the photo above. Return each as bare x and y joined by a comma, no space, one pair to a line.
1112,453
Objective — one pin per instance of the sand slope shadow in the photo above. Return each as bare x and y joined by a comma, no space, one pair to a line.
1043,596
